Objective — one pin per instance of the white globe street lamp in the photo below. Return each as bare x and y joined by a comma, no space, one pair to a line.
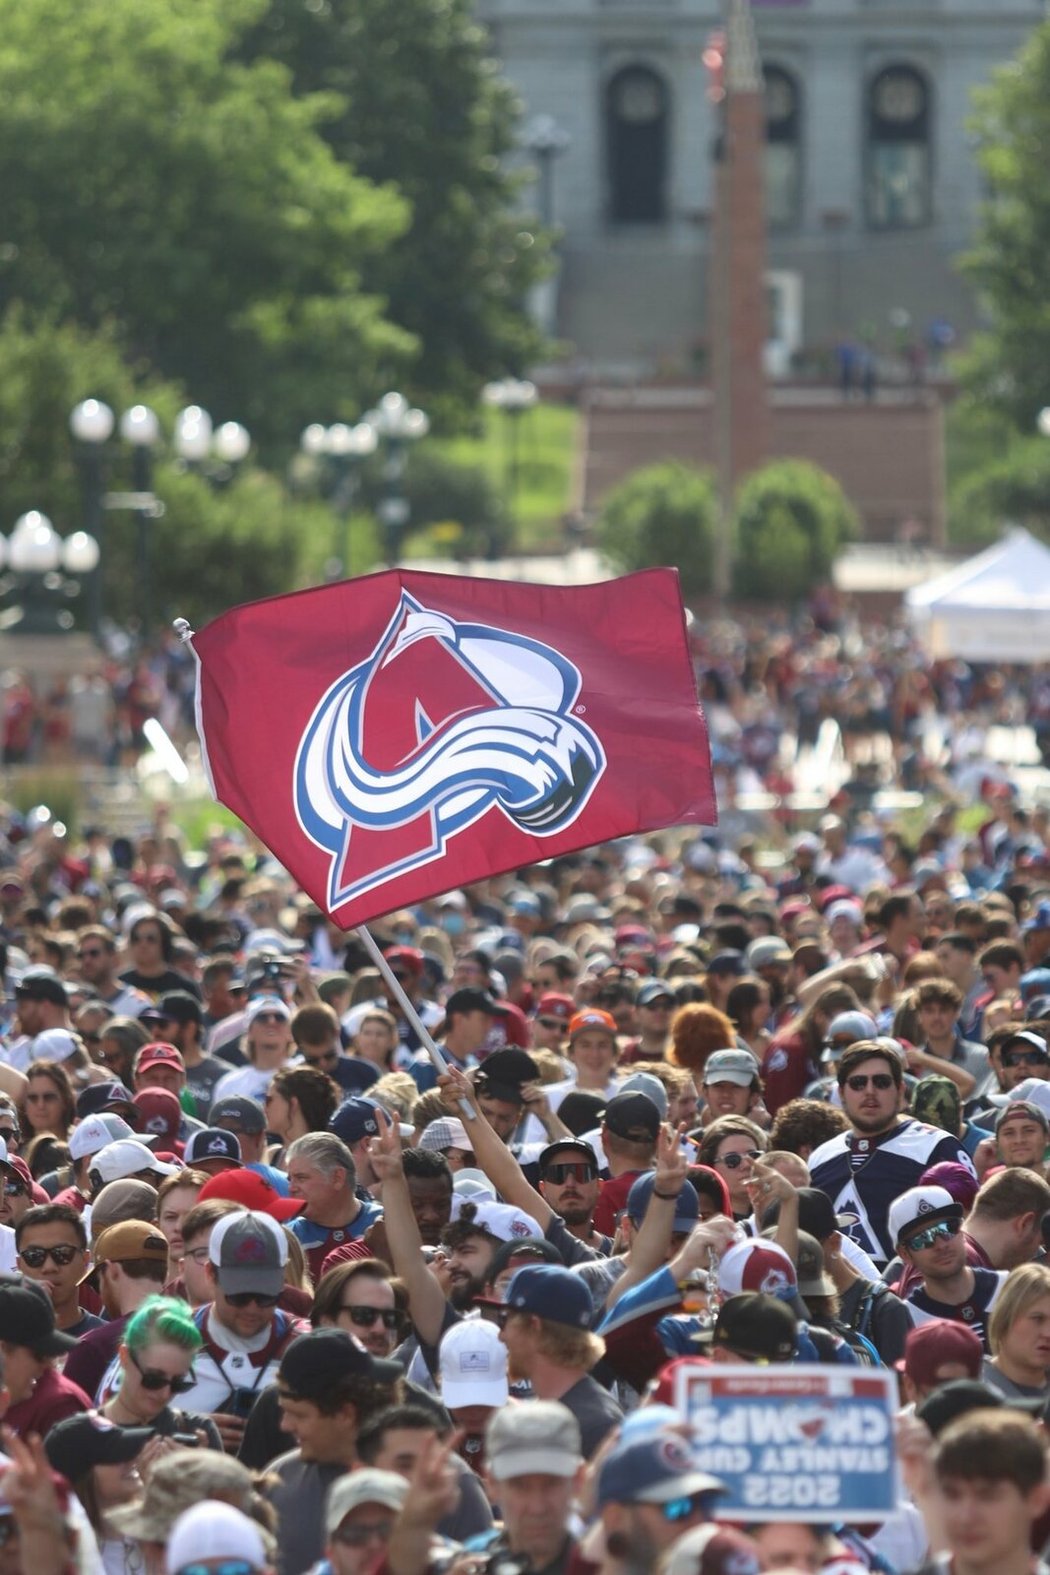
91,421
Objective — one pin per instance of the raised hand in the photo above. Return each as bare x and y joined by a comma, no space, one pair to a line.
672,1166
456,1087
384,1151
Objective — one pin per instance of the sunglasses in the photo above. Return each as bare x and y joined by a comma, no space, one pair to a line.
226,1567
270,1017
247,1298
14,1189
364,1532
154,1380
580,1171
36,1257
9,1135
553,1023
734,1161
858,1083
368,1317
944,1230
1023,1058
682,1508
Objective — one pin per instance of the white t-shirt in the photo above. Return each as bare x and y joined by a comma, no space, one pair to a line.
245,1082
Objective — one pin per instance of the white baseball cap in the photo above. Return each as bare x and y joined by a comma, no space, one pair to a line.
757,1265
53,1044
97,1133
473,1362
501,1220
213,1530
918,1204
127,1157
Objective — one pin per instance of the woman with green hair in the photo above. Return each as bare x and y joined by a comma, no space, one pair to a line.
154,1366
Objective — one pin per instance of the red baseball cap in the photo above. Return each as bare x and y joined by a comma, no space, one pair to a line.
159,1054
406,957
555,1006
592,1017
251,1191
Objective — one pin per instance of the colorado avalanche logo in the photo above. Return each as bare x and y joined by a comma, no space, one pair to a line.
442,723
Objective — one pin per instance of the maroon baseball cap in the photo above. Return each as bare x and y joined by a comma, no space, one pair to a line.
930,1345
552,1005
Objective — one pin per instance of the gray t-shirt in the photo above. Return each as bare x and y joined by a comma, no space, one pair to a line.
990,1374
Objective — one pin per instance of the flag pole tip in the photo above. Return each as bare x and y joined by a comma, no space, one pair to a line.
182,629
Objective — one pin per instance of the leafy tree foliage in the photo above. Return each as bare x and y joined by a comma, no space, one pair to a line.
792,519
662,514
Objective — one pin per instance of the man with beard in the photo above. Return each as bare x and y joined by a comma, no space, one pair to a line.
883,1154
569,1185
926,1224
638,1482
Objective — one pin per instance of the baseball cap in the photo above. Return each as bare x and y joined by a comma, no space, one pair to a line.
367,1485
212,1143
652,1470
407,958
646,1083
160,1114
582,1111
247,1113
932,1344
757,1266
40,983
813,1280
501,1220
471,1184
504,1072
757,1327
97,1133
713,1550
159,1054
731,1066
130,1241
270,1004
179,1006
969,1394
728,962
575,1146
473,1362
634,1117
686,1205
1026,1036
78,1443
100,1096
555,1005
853,1025
816,1214
473,999
355,1119
654,990
1025,1108
445,1132
53,1044
28,1318
313,1362
1039,920
126,1157
956,1178
919,1205
541,1437
215,1530
767,952
548,1292
249,1252
592,1017
252,1191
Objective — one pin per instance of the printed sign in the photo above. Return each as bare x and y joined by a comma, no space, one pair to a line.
804,1443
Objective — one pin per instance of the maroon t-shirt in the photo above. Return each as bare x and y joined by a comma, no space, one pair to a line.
54,1398
612,1200
87,1362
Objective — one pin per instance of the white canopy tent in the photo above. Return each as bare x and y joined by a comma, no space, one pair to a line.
992,608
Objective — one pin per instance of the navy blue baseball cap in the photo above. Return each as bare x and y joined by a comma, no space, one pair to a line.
552,1293
355,1119
686,1208
1035,982
97,1097
653,1470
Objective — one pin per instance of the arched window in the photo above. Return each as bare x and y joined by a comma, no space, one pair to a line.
783,157
636,123
898,118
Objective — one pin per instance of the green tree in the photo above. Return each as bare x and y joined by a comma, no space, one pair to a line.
1013,488
792,519
662,514
425,110
192,201
1009,263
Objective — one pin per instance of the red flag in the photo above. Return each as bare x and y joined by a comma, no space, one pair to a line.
396,736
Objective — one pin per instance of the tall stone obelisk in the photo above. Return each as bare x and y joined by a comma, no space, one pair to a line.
737,291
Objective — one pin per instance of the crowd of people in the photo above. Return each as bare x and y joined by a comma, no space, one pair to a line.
284,1289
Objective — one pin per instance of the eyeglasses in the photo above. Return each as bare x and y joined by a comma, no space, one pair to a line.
9,1134
270,1017
734,1161
553,1023
859,1082
365,1531
198,1254
36,1257
1023,1058
154,1379
14,1189
227,1567
247,1298
580,1171
944,1230
368,1317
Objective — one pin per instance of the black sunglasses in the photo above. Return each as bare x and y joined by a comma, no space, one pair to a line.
155,1380
734,1161
36,1257
247,1298
579,1171
1023,1058
551,1022
859,1082
368,1317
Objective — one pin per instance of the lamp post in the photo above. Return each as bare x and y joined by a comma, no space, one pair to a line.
44,570
546,141
514,396
397,425
215,452
92,423
342,450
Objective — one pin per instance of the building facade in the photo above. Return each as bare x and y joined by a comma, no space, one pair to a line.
871,184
